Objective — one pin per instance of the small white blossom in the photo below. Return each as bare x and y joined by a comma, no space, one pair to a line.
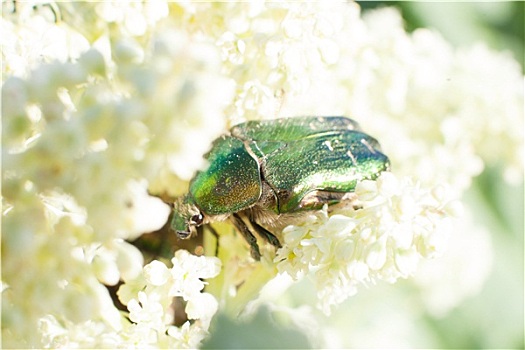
156,273
106,270
129,260
147,212
32,37
187,272
151,308
148,301
396,225
469,255
202,306
134,17
146,309
188,336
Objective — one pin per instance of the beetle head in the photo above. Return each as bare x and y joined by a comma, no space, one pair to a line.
186,218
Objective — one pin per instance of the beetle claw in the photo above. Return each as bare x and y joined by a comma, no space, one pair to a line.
255,253
270,237
250,238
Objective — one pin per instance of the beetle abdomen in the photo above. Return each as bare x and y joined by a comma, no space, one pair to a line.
331,161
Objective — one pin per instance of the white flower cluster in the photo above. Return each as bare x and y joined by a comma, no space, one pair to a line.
105,103
34,34
471,257
395,225
149,299
86,136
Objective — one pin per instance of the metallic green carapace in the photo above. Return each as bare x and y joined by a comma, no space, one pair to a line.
264,169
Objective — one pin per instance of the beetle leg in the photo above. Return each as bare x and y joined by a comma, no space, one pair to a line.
216,235
270,237
250,238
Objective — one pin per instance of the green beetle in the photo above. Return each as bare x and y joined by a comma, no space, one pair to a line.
262,171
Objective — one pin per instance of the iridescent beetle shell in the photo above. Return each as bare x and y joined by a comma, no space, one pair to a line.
261,170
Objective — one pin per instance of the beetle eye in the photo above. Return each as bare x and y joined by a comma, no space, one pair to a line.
196,219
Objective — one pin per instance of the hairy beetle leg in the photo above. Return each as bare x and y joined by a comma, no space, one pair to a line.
216,235
250,238
270,237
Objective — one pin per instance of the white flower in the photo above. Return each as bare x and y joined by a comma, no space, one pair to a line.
106,270
188,336
140,336
147,213
129,260
36,38
52,333
146,309
135,17
187,272
202,306
397,225
67,335
148,301
151,308
156,273
469,255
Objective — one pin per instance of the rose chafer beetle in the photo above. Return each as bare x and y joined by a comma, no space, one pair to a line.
263,171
